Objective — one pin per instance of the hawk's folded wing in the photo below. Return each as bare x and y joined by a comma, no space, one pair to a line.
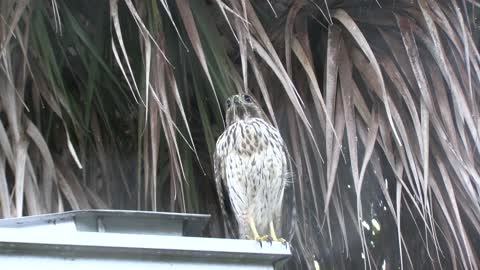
230,223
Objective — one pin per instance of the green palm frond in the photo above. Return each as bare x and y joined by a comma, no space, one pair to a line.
119,105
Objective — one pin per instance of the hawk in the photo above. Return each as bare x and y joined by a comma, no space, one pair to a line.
251,168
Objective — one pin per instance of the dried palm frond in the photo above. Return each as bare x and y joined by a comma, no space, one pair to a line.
119,105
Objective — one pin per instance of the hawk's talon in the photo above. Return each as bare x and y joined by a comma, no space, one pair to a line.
264,238
282,240
274,235
260,239
269,239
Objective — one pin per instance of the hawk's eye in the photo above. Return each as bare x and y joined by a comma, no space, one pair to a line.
229,103
247,98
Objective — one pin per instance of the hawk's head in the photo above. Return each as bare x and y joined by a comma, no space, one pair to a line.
240,107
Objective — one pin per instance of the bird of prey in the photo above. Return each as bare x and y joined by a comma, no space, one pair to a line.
251,167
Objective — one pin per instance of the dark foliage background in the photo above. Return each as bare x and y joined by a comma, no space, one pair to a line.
118,104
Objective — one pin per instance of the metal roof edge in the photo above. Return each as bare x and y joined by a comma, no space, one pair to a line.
8,222
147,245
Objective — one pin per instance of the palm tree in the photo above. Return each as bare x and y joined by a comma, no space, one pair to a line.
118,104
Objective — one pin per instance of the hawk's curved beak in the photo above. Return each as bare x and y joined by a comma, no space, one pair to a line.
236,99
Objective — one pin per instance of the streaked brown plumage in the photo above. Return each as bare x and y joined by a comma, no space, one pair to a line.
251,170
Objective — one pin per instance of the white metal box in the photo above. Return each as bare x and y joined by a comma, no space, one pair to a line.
115,239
